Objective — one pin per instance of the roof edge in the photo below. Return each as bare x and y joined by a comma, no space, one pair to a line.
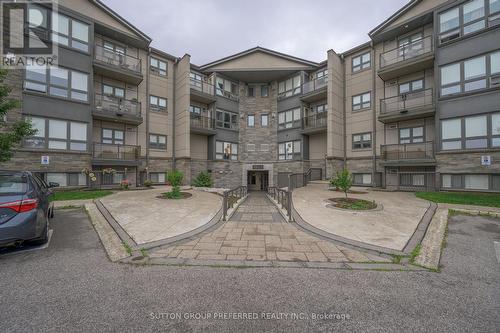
393,17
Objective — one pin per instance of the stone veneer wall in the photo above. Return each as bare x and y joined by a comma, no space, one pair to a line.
467,163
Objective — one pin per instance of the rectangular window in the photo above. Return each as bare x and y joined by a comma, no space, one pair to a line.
157,177
451,134
38,140
60,178
469,75
157,103
157,141
362,178
475,129
264,120
158,66
112,136
476,182
411,135
361,62
476,132
411,86
195,110
250,120
362,140
495,130
61,27
290,150
362,101
264,90
226,88
289,87
226,151
226,119
289,119
251,91
57,134
113,91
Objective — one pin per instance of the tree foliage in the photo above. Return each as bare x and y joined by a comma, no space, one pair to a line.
174,177
342,180
203,179
13,134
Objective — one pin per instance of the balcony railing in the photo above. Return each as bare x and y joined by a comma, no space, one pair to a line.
408,151
315,121
202,86
114,104
407,52
117,59
407,102
115,152
198,121
314,85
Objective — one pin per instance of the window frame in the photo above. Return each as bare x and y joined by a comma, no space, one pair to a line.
457,182
363,65
46,138
294,123
69,37
363,143
222,123
293,90
113,138
410,85
221,91
221,155
361,103
412,137
284,154
250,124
489,137
157,107
264,88
156,143
262,117
156,69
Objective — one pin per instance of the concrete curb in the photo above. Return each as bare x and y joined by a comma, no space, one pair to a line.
430,253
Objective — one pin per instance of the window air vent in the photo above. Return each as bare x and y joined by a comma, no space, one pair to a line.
393,126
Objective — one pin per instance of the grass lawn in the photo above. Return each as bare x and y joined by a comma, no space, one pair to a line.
79,195
462,198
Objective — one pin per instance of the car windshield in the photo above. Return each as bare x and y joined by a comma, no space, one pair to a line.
13,184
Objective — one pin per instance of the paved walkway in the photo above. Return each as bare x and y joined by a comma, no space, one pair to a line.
258,232
390,227
147,218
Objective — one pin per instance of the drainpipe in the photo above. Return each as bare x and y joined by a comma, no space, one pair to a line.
344,122
173,113
147,111
374,113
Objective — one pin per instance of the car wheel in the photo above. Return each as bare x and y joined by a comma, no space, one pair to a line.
44,238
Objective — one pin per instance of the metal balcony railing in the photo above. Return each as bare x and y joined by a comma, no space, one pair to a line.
202,86
106,103
406,102
107,151
198,121
407,51
314,85
408,151
117,59
315,121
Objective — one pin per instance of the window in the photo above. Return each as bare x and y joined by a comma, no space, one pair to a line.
264,90
451,134
476,132
362,101
469,75
361,62
320,109
226,150
289,119
60,178
476,182
362,178
264,120
495,130
226,119
251,91
321,75
77,179
471,181
113,91
411,45
226,88
250,120
411,86
57,134
157,177
468,18
289,87
61,82
195,110
157,103
113,136
411,135
158,66
290,150
362,141
157,141
61,27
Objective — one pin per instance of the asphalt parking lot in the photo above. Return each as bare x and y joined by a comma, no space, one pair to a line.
71,286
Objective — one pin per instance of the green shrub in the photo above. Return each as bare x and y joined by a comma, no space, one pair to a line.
174,177
148,183
342,180
203,180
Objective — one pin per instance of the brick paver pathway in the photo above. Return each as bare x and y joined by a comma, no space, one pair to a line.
257,231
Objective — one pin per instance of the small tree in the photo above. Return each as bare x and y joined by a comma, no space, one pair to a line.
174,177
14,134
342,180
203,180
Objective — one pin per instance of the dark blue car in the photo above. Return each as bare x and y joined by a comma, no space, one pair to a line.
24,208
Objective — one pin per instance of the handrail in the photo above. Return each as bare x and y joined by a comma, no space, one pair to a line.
407,101
109,151
124,61
315,120
230,197
199,121
202,86
408,151
283,197
407,51
116,104
296,180
315,84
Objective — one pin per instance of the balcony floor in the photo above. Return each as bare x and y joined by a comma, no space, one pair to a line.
406,67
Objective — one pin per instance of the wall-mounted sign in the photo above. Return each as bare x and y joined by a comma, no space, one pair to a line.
258,167
45,160
485,160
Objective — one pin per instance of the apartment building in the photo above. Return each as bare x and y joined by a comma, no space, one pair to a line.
417,107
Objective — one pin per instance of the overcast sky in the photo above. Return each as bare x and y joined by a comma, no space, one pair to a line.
212,29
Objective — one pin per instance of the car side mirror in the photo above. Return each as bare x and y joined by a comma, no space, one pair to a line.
52,184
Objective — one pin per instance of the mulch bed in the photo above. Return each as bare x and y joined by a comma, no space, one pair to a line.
353,203
350,191
184,195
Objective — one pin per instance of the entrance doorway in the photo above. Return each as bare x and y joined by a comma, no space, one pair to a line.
258,180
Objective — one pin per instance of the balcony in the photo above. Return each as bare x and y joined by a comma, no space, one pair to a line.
117,65
112,108
408,154
202,125
406,59
112,154
202,91
314,90
407,106
315,123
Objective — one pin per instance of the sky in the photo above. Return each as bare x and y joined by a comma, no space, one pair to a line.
212,29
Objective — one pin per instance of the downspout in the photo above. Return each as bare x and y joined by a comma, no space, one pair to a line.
147,112
173,113
344,121
374,113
